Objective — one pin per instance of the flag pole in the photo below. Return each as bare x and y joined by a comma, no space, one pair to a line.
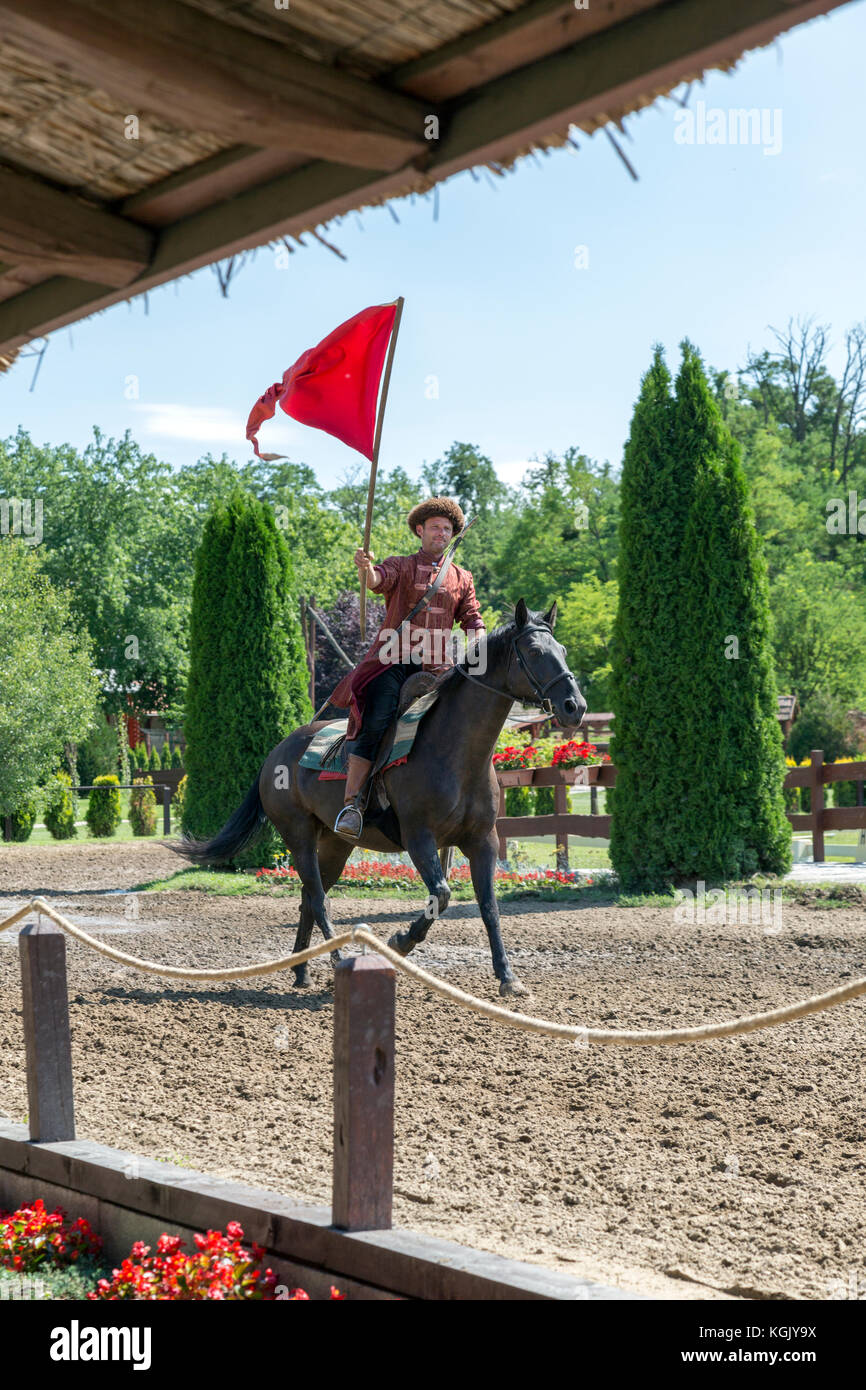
375,460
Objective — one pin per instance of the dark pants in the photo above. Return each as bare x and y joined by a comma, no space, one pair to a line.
382,696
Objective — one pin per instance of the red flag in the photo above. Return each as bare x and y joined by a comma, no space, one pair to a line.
334,386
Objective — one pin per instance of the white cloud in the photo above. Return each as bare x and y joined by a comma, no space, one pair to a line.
209,424
512,472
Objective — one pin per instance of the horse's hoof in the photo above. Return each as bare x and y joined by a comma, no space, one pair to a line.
400,944
512,987
302,979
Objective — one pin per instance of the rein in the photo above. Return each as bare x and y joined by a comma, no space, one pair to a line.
540,690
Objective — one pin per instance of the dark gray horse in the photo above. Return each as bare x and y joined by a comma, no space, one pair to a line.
445,794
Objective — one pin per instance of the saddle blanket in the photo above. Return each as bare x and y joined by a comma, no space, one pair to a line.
327,748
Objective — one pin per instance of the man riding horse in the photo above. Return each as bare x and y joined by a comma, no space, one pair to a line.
372,690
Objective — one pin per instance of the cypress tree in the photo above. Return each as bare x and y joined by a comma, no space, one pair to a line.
697,741
248,676
731,746
647,686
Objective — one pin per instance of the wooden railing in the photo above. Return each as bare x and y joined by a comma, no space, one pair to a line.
564,823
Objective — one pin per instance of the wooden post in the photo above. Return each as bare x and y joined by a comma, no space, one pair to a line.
560,806
503,847
593,800
42,951
374,462
166,810
816,787
312,653
364,1005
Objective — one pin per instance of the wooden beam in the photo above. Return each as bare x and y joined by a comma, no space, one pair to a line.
200,73
510,42
211,180
615,67
57,232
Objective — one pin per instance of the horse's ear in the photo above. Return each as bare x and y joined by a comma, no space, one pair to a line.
550,615
521,613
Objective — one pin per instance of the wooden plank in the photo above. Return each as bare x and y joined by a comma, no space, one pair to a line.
44,227
47,1044
845,818
364,1005
200,73
400,1261
843,772
512,41
595,826
222,175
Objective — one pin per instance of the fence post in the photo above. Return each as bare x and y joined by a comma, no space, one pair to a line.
42,952
166,810
364,1005
503,847
560,806
816,788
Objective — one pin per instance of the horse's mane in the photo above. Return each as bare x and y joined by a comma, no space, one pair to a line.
498,640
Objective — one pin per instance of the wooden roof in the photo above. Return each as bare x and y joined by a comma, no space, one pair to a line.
257,121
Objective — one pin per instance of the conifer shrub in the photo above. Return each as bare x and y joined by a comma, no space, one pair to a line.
142,807
60,807
103,807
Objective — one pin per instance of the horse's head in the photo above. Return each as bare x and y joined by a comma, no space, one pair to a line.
538,669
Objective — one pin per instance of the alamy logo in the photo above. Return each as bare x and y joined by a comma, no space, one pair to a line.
433,646
731,126
731,907
21,518
847,522
76,1343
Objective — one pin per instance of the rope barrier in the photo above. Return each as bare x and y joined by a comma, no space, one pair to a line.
583,1036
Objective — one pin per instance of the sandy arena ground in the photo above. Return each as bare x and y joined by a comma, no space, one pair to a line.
733,1168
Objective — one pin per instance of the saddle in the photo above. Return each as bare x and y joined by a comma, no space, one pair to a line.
327,749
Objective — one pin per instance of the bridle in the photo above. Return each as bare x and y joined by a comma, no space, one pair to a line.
540,690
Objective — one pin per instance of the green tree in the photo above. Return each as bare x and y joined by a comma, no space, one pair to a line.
584,626
49,686
248,675
823,723
820,632
649,694
731,821
108,523
565,531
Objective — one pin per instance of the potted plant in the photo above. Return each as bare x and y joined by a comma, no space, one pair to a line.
578,762
514,766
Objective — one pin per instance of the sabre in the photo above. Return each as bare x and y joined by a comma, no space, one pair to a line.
375,459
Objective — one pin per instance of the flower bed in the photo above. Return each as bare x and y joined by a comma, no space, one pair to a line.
373,873
34,1239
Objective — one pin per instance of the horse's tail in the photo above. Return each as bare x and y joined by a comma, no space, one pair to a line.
240,830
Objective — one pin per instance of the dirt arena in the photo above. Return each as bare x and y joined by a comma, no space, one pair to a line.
733,1168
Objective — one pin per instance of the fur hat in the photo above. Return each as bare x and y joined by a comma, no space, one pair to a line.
436,506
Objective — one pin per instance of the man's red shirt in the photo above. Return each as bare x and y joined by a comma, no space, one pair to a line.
403,579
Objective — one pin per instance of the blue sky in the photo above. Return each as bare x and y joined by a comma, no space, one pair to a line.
530,353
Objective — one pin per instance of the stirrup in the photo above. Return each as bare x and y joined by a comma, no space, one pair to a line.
350,821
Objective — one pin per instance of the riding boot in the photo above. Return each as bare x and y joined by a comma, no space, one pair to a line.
350,822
